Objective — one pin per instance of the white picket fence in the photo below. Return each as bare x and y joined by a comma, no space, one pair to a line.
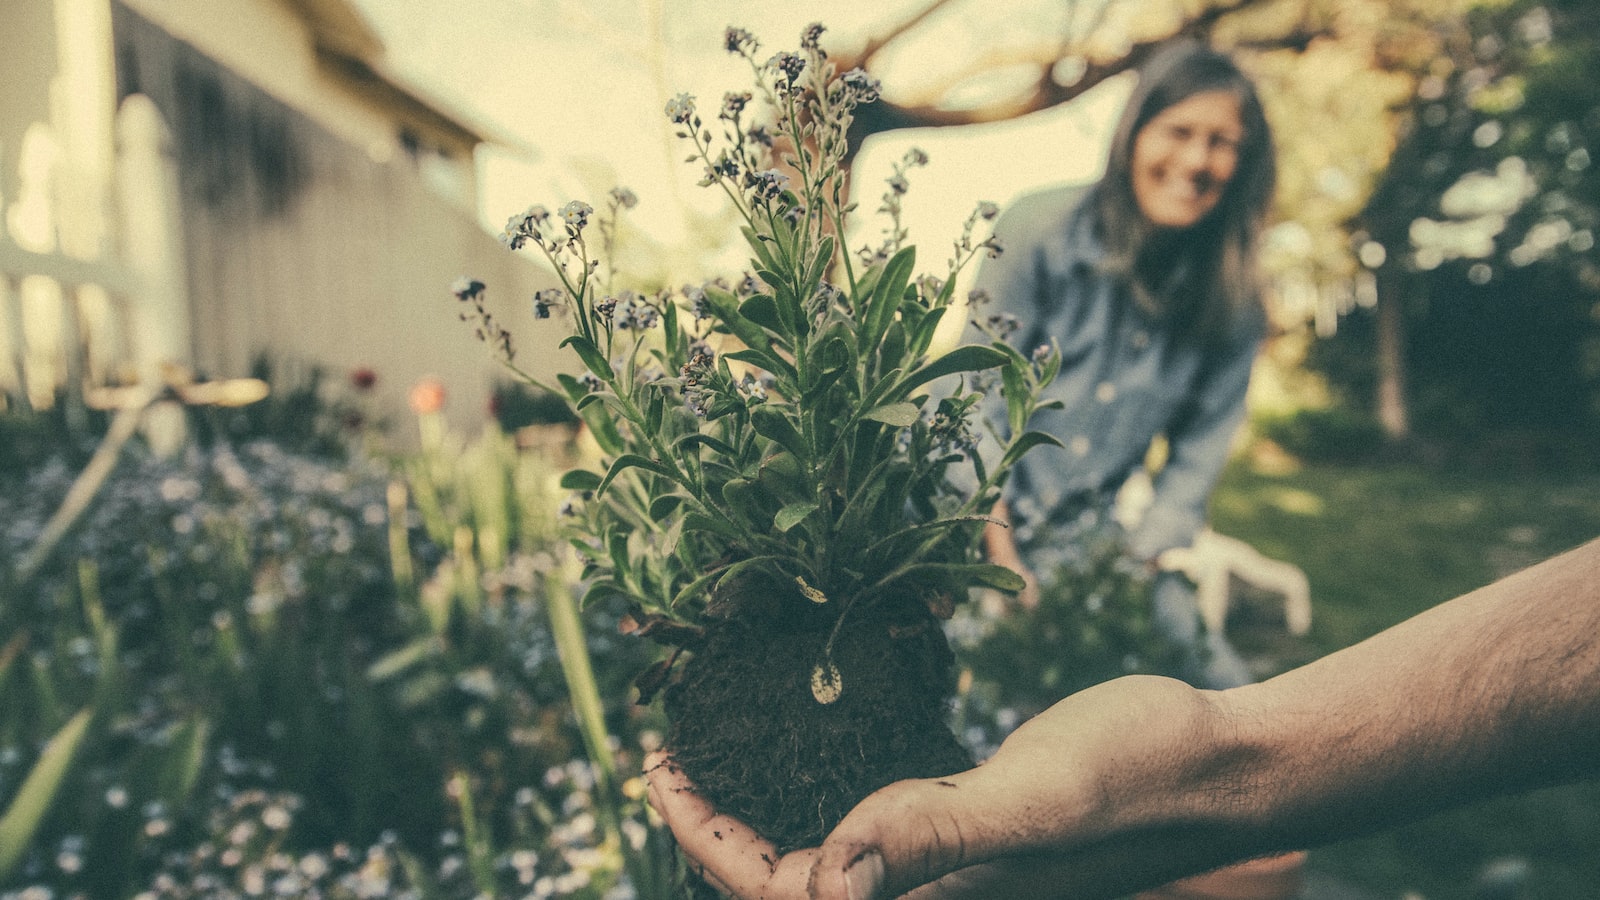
80,313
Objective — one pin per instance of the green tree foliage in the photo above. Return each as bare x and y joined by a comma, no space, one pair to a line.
1484,228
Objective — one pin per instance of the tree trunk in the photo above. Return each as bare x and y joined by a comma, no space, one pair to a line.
1394,411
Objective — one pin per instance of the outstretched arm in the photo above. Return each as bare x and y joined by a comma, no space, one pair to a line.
1141,780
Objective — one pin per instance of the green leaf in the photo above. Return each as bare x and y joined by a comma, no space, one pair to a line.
574,388
726,309
630,461
689,441
784,464
771,423
602,428
588,400
183,768
396,661
865,285
599,589
780,476
763,310
1052,366
33,800
703,583
759,247
655,410
922,335
668,543
883,387
892,350
591,356
579,480
617,547
885,545
790,515
669,328
897,414
819,264
747,498
769,563
965,575
766,359
1025,443
784,306
971,358
665,505
696,521
887,294
1016,395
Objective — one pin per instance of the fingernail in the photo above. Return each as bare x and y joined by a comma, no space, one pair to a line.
864,876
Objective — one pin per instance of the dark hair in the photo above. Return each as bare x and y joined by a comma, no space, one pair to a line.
1217,255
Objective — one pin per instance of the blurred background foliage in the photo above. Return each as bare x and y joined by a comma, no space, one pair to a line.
276,660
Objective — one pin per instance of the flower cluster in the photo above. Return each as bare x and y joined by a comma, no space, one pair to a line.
525,226
547,301
894,232
699,377
488,329
633,312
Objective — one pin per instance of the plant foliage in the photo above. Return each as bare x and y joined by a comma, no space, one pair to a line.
796,426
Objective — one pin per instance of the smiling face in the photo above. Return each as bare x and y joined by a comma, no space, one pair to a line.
1185,156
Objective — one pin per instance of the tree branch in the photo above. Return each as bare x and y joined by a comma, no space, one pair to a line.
1044,92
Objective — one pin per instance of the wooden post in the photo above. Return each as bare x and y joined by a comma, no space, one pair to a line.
152,238
1392,401
13,367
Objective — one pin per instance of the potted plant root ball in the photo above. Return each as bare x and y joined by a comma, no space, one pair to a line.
790,496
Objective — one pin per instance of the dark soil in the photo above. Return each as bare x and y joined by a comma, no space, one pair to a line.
748,731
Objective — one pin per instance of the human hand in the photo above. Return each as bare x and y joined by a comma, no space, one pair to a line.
1033,821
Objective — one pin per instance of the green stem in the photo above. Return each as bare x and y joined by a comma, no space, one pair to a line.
566,627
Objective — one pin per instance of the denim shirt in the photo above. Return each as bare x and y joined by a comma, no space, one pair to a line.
1124,380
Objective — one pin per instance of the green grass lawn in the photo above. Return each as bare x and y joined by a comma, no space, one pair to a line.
1380,544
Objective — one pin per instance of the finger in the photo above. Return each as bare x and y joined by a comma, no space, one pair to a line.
728,853
908,834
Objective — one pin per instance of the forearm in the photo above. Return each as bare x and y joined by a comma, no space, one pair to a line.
1495,691
1492,692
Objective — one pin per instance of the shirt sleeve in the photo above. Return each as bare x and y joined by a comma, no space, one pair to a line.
1199,440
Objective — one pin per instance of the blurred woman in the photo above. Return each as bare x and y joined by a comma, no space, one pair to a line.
1147,281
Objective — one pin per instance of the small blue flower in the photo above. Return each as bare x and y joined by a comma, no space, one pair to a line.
812,35
576,214
733,103
738,40
466,288
788,65
680,109
861,87
546,301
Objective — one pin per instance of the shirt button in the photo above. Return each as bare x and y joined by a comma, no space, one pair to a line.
1105,392
1079,445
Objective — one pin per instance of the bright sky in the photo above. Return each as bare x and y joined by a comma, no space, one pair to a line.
584,84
